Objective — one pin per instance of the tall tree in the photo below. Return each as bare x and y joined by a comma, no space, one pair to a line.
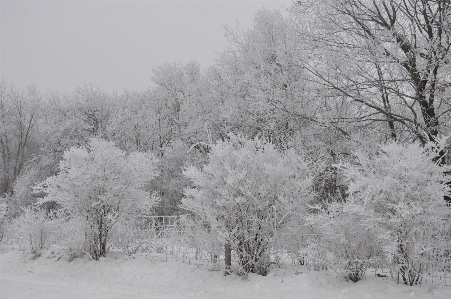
19,114
389,59
262,85
177,84
133,124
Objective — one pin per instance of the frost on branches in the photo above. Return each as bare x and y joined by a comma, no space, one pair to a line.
398,194
248,191
100,185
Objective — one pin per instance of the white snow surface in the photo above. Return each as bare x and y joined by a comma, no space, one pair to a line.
150,276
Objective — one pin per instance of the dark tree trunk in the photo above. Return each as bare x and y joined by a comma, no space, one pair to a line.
228,258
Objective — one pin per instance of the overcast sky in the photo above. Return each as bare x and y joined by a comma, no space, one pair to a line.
59,45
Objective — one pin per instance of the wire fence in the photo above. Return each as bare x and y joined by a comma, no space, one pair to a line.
190,238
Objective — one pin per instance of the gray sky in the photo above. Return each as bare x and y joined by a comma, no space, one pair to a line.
59,45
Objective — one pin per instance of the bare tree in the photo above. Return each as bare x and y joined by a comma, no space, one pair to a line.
18,118
389,58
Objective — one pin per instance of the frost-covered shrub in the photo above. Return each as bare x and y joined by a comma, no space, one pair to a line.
346,239
398,193
99,184
314,254
354,269
248,191
37,229
70,233
31,228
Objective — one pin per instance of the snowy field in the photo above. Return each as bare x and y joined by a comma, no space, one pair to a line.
150,276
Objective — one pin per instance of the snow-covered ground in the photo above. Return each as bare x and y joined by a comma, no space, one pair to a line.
150,276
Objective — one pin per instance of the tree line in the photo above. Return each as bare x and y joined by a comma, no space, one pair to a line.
334,81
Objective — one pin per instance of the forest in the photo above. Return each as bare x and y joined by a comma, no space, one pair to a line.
322,133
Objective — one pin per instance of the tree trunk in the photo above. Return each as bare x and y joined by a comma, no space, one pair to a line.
6,167
228,258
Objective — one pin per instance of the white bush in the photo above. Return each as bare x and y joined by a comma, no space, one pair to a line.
99,184
249,191
32,229
397,193
345,240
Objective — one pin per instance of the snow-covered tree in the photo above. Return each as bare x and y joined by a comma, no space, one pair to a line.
170,182
248,191
19,115
397,192
262,87
100,184
386,60
140,122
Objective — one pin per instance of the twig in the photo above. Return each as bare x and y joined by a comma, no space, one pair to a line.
88,255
